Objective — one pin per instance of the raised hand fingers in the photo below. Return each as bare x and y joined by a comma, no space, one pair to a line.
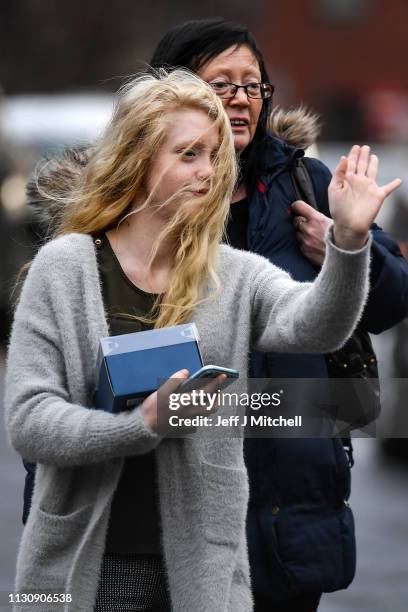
363,160
372,169
353,158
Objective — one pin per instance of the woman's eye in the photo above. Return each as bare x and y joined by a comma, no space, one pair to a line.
219,86
254,88
189,153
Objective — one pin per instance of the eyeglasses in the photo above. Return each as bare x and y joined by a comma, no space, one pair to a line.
252,90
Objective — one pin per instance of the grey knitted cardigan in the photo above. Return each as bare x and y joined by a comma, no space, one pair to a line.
202,482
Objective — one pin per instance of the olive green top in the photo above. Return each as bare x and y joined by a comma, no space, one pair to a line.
134,519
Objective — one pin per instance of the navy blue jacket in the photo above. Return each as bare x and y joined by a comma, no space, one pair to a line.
300,525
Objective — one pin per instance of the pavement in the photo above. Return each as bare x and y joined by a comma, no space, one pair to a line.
380,504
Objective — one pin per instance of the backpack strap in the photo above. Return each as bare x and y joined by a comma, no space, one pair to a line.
302,183
348,447
304,190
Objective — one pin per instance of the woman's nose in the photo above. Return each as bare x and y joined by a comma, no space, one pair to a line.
205,171
240,98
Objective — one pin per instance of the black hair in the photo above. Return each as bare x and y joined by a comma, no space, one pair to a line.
194,43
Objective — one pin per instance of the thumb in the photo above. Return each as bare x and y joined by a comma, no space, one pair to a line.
392,186
170,385
301,208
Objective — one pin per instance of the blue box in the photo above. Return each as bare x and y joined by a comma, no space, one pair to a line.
131,366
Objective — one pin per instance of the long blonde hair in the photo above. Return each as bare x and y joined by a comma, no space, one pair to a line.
116,173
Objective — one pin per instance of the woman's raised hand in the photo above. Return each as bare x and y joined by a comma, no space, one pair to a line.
355,198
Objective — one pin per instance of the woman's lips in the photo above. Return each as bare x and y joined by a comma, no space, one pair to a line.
201,192
238,128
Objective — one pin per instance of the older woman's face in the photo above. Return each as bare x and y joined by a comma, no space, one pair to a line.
237,65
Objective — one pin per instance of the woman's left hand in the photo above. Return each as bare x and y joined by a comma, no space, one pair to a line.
355,198
311,227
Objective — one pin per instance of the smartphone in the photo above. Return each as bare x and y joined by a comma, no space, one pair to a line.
206,373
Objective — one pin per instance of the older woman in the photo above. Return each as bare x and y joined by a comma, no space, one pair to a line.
141,234
300,524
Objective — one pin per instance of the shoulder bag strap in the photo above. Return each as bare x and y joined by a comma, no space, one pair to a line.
302,183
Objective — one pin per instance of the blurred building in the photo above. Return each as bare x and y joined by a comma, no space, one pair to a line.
344,57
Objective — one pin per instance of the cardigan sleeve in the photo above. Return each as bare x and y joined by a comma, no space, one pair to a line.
318,317
43,425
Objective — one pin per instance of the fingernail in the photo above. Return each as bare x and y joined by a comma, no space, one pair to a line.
181,374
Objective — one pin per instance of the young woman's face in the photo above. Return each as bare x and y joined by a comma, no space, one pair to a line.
184,163
237,65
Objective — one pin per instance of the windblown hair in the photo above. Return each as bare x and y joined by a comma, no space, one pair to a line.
113,185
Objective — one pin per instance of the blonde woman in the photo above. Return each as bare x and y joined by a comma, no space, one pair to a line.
123,518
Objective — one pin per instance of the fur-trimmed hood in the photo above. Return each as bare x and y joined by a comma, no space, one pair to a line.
52,181
55,178
298,127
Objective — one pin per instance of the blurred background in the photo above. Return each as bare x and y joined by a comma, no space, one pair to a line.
60,63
